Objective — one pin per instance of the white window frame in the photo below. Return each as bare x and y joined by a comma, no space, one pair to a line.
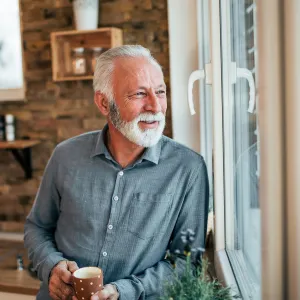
247,283
223,267
212,75
220,98
205,94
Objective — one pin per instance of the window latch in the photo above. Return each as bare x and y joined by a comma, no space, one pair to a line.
198,75
246,74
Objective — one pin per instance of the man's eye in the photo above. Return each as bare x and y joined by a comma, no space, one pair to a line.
160,92
140,94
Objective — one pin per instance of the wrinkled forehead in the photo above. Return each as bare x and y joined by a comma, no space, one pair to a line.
138,71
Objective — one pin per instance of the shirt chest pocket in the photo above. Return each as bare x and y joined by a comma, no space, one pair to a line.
149,214
84,198
84,212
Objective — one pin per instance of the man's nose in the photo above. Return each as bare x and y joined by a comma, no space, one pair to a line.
153,103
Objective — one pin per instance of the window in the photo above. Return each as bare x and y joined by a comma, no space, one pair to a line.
12,85
227,63
240,140
250,77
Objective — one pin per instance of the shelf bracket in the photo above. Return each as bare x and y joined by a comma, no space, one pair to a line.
23,157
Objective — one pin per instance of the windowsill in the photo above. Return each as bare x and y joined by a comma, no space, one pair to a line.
224,271
219,267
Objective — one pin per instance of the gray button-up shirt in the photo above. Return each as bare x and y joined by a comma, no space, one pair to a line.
90,210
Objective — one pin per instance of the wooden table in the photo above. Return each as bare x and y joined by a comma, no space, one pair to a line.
11,279
21,150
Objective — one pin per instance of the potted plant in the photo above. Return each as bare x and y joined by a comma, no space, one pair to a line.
86,13
194,283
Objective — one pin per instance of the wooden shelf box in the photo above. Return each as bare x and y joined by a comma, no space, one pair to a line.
63,42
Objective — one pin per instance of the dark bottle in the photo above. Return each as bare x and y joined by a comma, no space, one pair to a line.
20,264
2,128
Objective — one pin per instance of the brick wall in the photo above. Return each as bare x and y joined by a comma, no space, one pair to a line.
56,111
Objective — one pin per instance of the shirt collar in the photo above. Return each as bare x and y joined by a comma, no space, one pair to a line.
100,147
151,154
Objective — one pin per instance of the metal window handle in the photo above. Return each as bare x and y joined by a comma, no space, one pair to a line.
245,73
197,75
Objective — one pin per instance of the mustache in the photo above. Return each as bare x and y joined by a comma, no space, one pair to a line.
148,117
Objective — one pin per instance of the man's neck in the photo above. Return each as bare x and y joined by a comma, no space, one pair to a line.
122,150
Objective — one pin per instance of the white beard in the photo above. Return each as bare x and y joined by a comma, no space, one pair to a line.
132,131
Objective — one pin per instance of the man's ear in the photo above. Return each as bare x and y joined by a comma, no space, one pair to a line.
102,103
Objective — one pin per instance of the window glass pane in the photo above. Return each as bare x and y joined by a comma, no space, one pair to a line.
241,155
11,69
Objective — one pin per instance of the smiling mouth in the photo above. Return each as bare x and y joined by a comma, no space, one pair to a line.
149,122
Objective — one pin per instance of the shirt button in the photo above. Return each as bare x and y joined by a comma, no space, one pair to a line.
116,198
121,173
104,253
110,227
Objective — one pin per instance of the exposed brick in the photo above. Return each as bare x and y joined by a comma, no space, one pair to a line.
35,13
12,226
94,123
159,4
38,75
28,188
34,35
150,15
70,107
40,105
63,3
35,46
50,24
22,115
118,7
147,4
4,189
68,128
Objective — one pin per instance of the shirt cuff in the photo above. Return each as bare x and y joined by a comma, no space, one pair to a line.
50,262
125,289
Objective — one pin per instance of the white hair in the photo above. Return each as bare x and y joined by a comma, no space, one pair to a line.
105,66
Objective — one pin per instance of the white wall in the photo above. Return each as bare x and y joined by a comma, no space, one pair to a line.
183,61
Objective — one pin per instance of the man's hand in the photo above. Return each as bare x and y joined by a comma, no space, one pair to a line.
109,292
60,287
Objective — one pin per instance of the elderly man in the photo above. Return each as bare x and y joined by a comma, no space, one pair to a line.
118,198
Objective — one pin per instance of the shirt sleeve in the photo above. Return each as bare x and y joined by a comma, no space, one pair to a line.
193,215
40,224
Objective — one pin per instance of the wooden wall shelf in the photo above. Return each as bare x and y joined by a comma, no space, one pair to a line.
71,78
63,42
18,144
21,150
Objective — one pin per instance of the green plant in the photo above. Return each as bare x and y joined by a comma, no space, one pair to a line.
194,284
